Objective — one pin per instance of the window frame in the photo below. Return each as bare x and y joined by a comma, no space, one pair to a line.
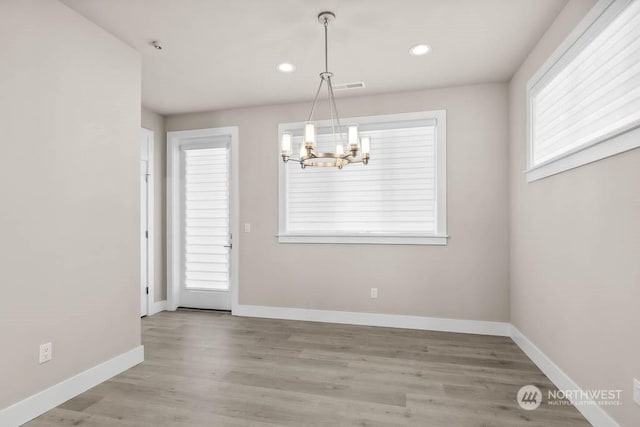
438,118
619,141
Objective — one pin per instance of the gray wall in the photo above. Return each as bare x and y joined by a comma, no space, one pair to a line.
69,216
575,240
465,280
155,122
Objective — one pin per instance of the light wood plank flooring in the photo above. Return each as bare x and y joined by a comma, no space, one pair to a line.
213,369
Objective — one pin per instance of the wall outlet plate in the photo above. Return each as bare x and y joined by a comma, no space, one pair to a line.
46,352
374,293
636,391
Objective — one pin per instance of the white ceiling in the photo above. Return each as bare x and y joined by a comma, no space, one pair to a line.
221,53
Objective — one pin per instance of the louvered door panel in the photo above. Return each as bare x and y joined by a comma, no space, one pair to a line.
206,216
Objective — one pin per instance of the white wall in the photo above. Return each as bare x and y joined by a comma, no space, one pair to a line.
575,245
69,215
467,279
155,122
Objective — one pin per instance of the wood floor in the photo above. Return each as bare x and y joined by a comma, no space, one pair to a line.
213,369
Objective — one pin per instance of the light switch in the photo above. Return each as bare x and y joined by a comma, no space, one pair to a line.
247,227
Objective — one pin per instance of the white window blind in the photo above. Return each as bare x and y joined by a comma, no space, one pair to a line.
206,216
592,92
396,194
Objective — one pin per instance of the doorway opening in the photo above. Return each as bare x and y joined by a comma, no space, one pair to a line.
201,218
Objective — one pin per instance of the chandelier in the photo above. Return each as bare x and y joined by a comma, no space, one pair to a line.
308,156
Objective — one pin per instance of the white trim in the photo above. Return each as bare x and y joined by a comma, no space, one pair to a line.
385,121
557,56
600,15
33,406
592,412
173,209
619,144
234,203
157,307
365,239
376,319
151,279
437,118
150,220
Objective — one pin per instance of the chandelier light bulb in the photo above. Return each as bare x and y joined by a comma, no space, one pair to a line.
365,143
339,149
286,144
310,133
353,137
303,150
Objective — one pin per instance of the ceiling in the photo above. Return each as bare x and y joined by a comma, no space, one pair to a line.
221,54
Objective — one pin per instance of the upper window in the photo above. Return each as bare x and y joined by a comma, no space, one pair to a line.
398,198
584,103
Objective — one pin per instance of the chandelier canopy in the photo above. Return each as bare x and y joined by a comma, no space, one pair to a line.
308,156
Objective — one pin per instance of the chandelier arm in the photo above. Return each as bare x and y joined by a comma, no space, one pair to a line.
332,100
331,107
315,101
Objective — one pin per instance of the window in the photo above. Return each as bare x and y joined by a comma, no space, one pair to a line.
584,103
398,198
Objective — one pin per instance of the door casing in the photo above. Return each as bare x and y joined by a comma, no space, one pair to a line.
174,141
146,154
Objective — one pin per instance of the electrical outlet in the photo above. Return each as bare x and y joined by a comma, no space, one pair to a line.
247,228
46,352
636,391
374,293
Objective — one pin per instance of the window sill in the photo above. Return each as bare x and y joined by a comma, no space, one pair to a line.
589,154
369,239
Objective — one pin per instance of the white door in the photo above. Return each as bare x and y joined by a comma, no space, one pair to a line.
205,224
144,224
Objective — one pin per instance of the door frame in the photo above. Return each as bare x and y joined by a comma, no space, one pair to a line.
174,139
148,134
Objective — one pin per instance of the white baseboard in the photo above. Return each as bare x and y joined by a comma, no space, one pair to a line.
33,406
375,319
157,307
592,412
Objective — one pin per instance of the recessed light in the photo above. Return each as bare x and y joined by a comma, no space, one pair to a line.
286,67
420,49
